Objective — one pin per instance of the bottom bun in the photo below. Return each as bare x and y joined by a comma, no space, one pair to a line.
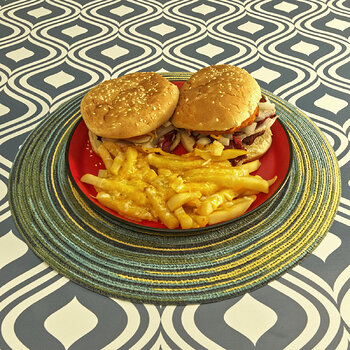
259,147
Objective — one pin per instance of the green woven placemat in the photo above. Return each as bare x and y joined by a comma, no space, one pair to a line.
123,261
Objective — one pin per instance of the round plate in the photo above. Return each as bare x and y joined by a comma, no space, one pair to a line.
133,262
82,160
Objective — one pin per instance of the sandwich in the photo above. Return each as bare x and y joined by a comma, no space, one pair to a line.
133,109
224,103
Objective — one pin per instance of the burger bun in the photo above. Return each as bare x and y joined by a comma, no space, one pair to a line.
131,105
216,99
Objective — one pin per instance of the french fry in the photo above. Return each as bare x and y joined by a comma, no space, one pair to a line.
272,181
117,163
206,188
245,192
128,167
97,181
194,203
209,204
125,207
161,185
253,183
144,171
173,163
185,220
112,148
180,199
239,206
214,171
226,154
159,207
170,156
105,155
234,182
94,141
179,165
102,173
249,167
112,185
201,220
139,184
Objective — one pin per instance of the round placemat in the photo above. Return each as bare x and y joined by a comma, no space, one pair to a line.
133,263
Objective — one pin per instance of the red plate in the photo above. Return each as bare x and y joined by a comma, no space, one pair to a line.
82,160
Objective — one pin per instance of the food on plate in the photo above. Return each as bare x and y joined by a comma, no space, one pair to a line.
130,109
136,123
224,103
181,191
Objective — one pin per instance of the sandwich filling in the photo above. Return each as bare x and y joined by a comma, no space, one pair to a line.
167,137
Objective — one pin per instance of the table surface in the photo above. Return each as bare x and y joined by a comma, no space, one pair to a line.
52,50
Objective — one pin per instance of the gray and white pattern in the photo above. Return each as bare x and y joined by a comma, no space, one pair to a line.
52,50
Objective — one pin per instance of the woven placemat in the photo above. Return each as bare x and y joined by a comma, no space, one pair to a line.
128,262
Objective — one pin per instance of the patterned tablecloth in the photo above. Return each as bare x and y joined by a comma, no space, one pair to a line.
53,50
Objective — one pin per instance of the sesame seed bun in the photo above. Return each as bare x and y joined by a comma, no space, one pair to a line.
129,106
217,99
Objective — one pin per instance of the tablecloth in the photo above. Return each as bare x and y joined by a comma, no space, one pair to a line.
53,50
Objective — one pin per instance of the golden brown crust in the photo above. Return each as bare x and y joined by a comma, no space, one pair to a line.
129,106
259,147
216,98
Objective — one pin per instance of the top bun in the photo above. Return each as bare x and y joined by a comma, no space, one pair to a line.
129,106
217,98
